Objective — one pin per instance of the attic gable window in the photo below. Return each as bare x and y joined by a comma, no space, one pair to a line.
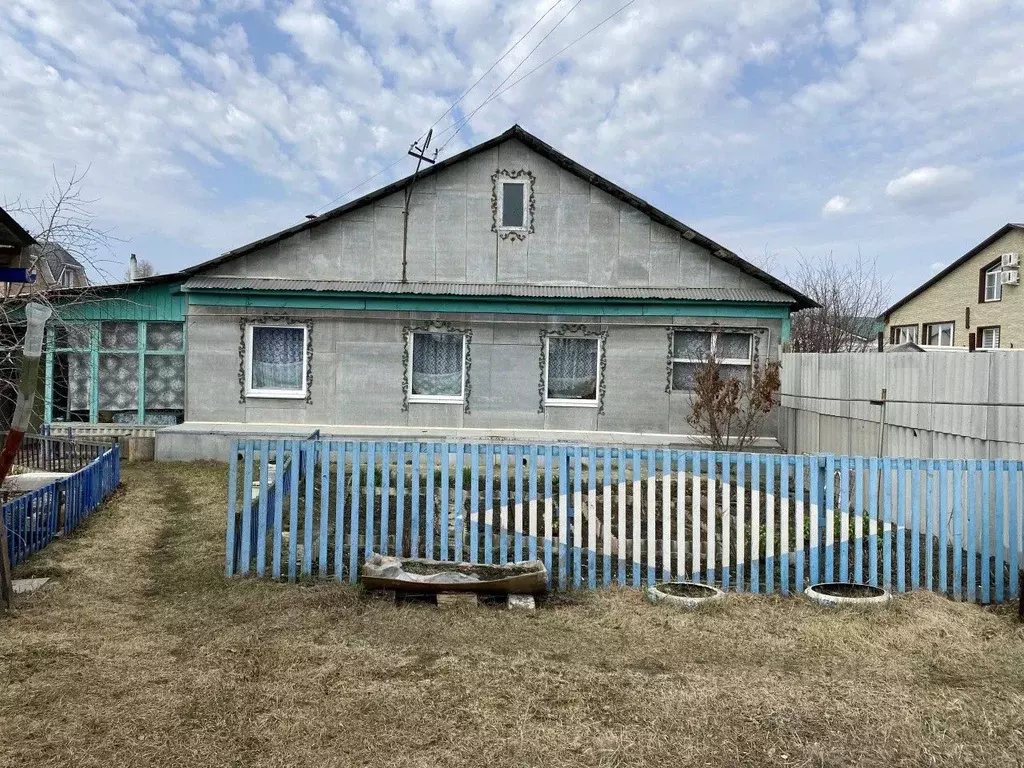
512,204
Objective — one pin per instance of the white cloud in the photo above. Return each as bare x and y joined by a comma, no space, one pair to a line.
932,191
207,127
837,206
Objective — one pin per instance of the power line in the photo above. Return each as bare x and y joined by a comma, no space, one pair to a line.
496,62
462,123
447,111
547,61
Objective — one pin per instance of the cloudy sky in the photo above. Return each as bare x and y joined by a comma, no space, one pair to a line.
892,127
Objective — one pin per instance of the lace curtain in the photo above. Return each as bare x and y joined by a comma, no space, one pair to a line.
437,362
277,358
572,368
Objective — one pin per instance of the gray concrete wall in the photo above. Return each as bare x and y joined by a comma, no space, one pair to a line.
357,373
582,236
923,427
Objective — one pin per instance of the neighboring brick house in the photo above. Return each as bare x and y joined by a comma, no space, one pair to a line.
977,294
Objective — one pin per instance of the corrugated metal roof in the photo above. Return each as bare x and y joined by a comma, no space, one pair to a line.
510,290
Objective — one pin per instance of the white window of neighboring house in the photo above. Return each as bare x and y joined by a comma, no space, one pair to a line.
276,361
437,367
903,334
733,351
572,370
993,285
938,334
990,337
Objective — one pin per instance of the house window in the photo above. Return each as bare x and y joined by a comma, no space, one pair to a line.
437,367
938,334
572,370
903,334
513,204
734,353
989,337
993,283
276,360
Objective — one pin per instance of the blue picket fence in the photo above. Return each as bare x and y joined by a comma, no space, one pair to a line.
599,516
38,517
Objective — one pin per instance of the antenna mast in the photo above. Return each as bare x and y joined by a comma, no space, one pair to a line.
421,157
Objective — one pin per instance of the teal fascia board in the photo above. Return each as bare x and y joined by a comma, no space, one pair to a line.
505,306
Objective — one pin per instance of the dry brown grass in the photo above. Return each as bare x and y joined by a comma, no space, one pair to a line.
141,654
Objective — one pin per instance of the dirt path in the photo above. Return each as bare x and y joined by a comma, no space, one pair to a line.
142,654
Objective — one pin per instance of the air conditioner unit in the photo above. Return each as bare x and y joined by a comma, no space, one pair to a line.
1009,260
1010,277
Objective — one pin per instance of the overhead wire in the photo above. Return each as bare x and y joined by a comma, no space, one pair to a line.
448,111
464,120
547,61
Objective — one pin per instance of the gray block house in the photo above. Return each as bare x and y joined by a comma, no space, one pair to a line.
526,297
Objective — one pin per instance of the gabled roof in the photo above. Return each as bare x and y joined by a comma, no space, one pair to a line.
952,267
545,150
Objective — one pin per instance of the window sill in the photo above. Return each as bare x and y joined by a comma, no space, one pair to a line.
437,399
570,404
275,395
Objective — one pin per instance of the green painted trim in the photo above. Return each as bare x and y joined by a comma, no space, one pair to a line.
51,339
94,373
140,376
787,329
448,304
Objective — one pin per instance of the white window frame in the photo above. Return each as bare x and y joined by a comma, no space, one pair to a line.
288,394
952,334
993,280
748,362
900,330
504,179
994,331
566,402
459,399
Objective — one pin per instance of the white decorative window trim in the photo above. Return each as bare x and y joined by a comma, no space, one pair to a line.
458,399
499,178
572,332
759,338
286,394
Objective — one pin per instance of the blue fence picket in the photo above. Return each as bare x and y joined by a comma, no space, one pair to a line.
958,551
339,510
972,530
549,511
428,532
489,508
784,510
385,497
915,523
873,470
533,502
577,517
563,517
858,520
929,528
592,518
259,531
325,496
985,524
458,507
503,518
999,539
518,518
282,478
353,524
400,499
1014,513
474,505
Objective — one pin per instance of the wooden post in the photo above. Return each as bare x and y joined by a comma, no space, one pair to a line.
36,316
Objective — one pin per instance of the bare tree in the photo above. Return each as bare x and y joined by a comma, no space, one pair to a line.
143,268
64,219
731,410
851,294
